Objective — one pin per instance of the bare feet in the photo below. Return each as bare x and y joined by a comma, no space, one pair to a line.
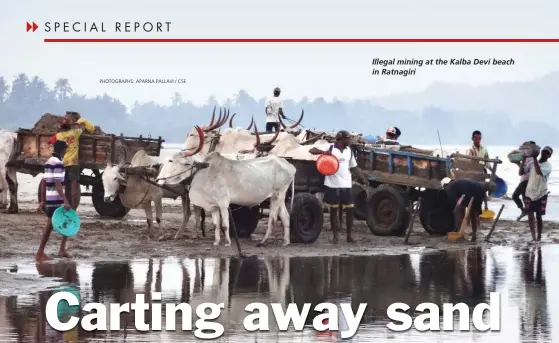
350,240
63,254
522,215
334,240
41,257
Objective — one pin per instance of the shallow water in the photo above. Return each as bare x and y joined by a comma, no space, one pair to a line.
522,277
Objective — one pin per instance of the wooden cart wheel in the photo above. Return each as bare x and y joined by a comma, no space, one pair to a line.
246,220
114,209
306,218
437,213
388,213
67,191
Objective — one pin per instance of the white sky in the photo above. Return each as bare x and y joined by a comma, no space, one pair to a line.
313,70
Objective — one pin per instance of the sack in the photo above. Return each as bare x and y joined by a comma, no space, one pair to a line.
524,150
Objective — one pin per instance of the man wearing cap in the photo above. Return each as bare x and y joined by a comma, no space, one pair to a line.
535,199
337,187
462,191
72,128
274,110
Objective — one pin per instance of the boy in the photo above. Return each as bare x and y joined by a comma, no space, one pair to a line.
52,197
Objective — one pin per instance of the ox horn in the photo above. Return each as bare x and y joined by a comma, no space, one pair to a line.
231,120
257,136
200,145
226,113
298,121
213,126
213,117
273,138
250,125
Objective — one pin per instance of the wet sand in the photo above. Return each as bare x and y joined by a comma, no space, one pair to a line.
106,239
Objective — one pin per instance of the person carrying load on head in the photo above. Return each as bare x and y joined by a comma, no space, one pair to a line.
337,187
274,110
462,191
51,197
70,132
520,190
535,199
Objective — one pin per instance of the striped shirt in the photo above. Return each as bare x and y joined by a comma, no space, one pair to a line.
54,171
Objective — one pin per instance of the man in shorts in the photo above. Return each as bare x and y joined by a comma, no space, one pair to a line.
535,199
52,197
70,132
462,191
337,187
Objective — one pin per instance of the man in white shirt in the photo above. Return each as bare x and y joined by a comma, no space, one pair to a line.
274,109
521,188
535,199
337,187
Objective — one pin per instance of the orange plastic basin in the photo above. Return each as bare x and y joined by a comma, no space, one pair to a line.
327,164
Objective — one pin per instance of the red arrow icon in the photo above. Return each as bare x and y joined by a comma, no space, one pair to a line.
32,26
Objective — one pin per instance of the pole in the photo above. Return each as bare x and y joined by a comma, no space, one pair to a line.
494,223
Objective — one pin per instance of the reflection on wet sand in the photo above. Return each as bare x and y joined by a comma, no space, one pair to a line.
454,276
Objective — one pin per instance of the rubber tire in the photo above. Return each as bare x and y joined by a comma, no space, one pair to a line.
115,209
399,203
305,204
360,199
67,190
434,203
246,220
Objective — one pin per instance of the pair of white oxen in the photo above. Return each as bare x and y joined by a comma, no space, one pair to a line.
230,174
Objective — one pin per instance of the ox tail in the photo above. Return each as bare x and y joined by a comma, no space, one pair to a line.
292,192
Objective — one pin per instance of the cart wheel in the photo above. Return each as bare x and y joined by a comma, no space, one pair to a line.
246,220
306,218
436,213
114,209
67,192
388,213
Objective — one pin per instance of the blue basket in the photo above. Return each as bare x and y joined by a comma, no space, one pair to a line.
501,188
66,222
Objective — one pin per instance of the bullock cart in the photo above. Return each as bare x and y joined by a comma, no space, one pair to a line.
400,178
95,152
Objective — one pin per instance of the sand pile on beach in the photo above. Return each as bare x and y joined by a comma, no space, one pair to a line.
50,123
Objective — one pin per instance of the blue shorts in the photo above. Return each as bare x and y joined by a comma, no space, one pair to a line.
334,197
49,211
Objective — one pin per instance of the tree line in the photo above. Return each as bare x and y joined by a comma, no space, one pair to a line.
26,98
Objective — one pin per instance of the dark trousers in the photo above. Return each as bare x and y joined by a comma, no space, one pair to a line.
520,191
272,127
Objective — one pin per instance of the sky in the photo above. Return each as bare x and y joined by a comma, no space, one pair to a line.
340,70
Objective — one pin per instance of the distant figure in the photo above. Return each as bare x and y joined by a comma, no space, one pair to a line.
398,132
390,137
337,187
535,199
462,191
51,197
274,109
521,188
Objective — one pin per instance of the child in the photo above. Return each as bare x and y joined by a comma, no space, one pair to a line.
52,197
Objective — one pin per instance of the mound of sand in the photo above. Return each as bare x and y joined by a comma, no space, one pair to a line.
50,123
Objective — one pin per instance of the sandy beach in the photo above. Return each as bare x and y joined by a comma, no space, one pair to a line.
106,239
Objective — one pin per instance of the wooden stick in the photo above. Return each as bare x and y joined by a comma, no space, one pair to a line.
494,223
419,201
464,225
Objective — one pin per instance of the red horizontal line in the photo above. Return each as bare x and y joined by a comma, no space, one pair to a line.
301,40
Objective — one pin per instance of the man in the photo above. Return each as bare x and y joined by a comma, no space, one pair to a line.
521,188
398,132
462,191
274,109
478,150
71,130
52,197
337,187
535,199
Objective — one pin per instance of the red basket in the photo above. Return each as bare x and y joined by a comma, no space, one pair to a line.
327,165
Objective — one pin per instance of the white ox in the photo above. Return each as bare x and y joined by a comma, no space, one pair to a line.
8,175
137,192
244,183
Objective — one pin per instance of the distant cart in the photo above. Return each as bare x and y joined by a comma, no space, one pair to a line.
95,152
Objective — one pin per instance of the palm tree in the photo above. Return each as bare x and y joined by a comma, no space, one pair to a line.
63,89
4,89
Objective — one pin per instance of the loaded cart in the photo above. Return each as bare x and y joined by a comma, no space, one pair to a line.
400,178
95,152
